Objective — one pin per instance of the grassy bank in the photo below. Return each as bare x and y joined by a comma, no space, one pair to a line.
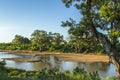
53,74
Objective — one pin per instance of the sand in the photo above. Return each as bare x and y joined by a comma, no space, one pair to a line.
63,56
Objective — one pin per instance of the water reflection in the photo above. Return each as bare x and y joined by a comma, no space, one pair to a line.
52,61
68,66
104,69
6,55
19,65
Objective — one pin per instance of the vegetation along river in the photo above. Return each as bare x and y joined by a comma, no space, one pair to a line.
50,61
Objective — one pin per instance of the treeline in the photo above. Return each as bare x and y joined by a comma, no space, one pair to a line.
42,41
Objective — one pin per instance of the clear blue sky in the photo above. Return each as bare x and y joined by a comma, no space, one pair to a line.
22,17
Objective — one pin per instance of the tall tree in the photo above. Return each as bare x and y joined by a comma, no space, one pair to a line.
77,43
56,40
99,17
40,38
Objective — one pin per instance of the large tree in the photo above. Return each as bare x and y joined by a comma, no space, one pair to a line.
56,41
101,21
40,38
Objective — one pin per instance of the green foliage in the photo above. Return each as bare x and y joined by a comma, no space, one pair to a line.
114,35
40,38
56,42
20,40
100,16
110,10
52,74
118,46
33,47
43,41
3,74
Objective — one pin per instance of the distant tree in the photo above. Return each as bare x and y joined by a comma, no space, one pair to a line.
20,40
40,38
56,41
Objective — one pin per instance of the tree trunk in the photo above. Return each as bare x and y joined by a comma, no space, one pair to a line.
110,50
40,48
116,64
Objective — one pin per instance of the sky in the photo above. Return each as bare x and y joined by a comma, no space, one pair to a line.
22,17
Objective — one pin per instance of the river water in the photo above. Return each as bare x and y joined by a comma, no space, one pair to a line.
104,69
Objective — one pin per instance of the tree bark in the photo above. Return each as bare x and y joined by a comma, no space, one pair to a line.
109,48
111,51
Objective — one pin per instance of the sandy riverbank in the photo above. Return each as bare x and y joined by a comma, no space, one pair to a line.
66,56
83,58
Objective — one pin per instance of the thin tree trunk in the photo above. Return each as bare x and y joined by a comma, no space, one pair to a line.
40,48
116,64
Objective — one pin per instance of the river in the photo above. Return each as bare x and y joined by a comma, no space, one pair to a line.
104,69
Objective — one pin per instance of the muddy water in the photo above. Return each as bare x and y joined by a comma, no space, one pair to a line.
49,62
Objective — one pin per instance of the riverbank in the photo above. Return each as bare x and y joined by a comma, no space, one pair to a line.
83,58
65,56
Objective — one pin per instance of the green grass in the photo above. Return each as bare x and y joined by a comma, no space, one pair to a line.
52,74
